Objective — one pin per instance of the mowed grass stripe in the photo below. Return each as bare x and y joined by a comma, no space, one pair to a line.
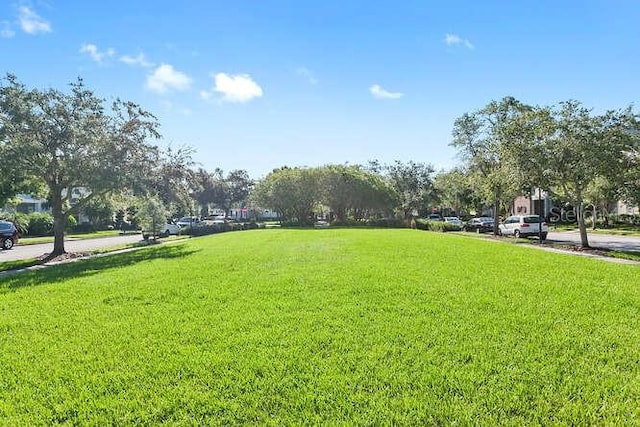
357,326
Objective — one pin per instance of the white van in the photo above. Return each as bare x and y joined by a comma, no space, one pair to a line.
523,226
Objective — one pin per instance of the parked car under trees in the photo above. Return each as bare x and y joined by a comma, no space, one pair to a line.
8,235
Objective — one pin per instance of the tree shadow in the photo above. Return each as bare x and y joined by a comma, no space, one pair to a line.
90,266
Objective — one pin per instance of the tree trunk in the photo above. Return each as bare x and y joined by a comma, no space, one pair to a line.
582,226
495,213
59,224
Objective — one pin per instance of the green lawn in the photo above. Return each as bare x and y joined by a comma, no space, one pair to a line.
14,265
49,239
323,326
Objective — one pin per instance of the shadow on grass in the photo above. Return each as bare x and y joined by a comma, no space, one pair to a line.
91,266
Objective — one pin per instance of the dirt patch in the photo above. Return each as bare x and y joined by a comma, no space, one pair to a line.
63,257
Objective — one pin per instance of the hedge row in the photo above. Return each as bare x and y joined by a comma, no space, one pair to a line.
221,228
352,222
441,226
35,224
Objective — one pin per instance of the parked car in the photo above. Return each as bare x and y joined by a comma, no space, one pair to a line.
523,226
188,221
434,217
453,222
164,231
482,224
8,234
214,217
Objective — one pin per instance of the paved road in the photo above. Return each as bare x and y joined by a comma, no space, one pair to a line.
607,241
34,251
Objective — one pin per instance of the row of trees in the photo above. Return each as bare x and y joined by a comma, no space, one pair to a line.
580,157
349,191
52,142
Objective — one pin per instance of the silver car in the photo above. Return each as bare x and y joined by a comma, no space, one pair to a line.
188,221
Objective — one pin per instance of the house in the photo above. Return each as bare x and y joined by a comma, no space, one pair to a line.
28,204
538,203
622,208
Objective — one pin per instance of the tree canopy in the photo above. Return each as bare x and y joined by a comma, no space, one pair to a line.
69,140
566,149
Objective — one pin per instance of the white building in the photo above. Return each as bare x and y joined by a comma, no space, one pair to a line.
29,204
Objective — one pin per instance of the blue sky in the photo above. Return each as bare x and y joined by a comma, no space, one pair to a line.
260,84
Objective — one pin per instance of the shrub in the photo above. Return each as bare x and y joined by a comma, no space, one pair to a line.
85,227
422,224
40,224
436,226
203,230
387,222
441,226
71,222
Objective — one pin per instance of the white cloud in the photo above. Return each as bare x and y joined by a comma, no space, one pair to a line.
6,32
378,92
165,78
31,22
234,88
139,60
455,40
308,74
95,53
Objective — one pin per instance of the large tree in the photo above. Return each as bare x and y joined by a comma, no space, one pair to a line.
351,190
631,175
484,147
293,193
413,185
454,190
69,140
223,193
574,152
173,180
240,185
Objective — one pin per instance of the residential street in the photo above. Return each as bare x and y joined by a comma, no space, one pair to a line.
33,251
619,243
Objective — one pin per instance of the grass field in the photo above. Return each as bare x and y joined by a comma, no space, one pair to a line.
323,326
78,236
14,265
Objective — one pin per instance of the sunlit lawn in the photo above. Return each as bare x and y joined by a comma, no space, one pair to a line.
77,236
14,265
323,326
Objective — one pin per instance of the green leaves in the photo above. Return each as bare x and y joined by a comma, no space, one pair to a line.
152,215
68,140
348,191
565,149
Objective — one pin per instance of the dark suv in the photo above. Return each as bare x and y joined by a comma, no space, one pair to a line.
8,234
